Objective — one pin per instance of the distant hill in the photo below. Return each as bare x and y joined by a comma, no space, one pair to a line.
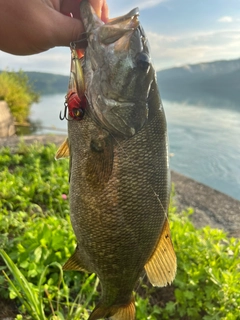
203,81
48,83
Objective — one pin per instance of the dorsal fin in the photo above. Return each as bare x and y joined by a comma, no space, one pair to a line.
63,150
161,267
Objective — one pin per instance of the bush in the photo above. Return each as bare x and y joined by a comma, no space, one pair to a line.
18,93
36,233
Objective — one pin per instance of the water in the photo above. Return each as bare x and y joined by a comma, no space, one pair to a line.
204,140
47,112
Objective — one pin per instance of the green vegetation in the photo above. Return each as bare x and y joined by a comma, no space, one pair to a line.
16,90
36,234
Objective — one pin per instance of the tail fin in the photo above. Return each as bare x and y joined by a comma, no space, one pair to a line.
115,312
126,312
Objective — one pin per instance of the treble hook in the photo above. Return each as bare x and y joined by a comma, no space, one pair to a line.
65,112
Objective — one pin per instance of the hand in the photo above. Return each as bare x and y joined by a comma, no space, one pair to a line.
32,26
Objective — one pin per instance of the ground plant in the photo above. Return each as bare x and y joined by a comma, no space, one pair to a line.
36,238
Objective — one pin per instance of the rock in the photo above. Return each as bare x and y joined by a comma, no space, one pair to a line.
211,207
7,127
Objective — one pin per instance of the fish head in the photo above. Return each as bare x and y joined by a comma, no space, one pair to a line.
117,70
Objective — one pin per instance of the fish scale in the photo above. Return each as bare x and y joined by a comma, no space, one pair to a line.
135,177
119,170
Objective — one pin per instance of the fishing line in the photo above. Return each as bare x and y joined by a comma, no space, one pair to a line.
140,281
119,145
159,200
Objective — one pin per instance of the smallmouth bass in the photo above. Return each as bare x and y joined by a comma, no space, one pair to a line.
119,170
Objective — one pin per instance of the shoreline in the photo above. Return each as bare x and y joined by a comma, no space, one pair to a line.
211,207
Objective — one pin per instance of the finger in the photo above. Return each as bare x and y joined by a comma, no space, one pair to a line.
67,30
105,12
97,6
100,7
72,6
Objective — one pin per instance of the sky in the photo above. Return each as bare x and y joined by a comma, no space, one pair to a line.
180,32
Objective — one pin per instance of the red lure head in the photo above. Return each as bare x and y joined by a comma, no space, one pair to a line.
76,106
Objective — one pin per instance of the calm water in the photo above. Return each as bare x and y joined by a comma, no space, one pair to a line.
204,140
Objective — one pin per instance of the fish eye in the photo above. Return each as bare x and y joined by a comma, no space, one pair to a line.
143,61
78,113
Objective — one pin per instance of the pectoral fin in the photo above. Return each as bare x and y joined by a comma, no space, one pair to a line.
75,263
161,267
100,160
63,151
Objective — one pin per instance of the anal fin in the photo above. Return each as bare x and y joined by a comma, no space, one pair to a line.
161,267
74,263
63,150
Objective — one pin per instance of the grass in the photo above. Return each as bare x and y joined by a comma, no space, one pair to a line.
36,238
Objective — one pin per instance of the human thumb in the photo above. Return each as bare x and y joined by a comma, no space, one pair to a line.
66,30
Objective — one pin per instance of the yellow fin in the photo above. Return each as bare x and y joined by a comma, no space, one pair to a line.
63,150
74,263
115,312
125,312
161,267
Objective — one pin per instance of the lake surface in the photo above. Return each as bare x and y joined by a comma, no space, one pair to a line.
204,139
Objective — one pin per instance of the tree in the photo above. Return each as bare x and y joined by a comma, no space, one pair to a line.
16,90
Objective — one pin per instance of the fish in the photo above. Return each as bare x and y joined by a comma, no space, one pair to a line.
119,169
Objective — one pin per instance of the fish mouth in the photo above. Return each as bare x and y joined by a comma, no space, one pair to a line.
111,31
119,30
116,65
129,20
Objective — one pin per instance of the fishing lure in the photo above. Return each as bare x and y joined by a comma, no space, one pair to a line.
75,100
